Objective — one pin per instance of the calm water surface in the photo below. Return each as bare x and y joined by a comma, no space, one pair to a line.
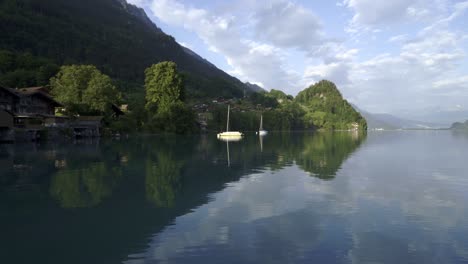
388,197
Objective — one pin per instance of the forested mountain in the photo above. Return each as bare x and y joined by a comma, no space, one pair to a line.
325,108
115,36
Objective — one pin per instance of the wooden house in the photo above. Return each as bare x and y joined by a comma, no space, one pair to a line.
8,99
35,100
6,125
87,126
32,107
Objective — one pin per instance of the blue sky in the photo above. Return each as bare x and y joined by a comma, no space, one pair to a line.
406,57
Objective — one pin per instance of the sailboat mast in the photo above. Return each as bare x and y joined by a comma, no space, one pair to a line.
261,122
227,123
229,160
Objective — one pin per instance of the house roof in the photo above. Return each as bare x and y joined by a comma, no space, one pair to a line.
7,111
54,116
117,109
9,90
40,91
32,90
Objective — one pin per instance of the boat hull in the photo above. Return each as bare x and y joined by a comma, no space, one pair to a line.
262,133
230,134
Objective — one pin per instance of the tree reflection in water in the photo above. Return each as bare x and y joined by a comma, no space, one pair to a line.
163,179
323,153
84,187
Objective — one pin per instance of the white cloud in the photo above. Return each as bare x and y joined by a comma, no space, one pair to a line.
336,71
398,38
136,2
405,81
284,24
377,12
461,81
369,14
186,45
250,61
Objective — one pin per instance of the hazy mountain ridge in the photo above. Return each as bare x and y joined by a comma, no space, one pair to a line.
388,121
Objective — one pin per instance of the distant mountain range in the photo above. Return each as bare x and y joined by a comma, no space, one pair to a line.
443,117
389,122
113,35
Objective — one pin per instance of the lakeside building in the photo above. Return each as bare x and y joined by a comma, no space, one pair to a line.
29,108
27,112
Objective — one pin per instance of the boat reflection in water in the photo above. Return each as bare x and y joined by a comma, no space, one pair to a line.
232,138
261,132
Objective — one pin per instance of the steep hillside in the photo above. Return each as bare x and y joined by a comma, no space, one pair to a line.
326,108
115,36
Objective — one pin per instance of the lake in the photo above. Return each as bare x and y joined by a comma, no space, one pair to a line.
343,197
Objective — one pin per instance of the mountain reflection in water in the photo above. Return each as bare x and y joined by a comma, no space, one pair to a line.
291,197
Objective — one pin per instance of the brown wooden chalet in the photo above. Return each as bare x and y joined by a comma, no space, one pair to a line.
31,107
8,99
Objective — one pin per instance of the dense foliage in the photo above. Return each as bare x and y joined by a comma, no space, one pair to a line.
25,70
83,89
114,36
164,86
321,106
325,108
164,100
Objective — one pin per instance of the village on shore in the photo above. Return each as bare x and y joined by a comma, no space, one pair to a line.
32,114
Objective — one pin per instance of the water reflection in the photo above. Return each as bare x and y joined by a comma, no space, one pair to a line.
163,175
84,186
84,175
122,192
323,154
399,200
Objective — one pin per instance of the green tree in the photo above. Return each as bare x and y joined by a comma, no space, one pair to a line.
164,86
7,61
327,109
83,89
45,72
24,70
164,100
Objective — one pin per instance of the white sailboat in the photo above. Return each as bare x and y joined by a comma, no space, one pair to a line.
261,132
229,135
